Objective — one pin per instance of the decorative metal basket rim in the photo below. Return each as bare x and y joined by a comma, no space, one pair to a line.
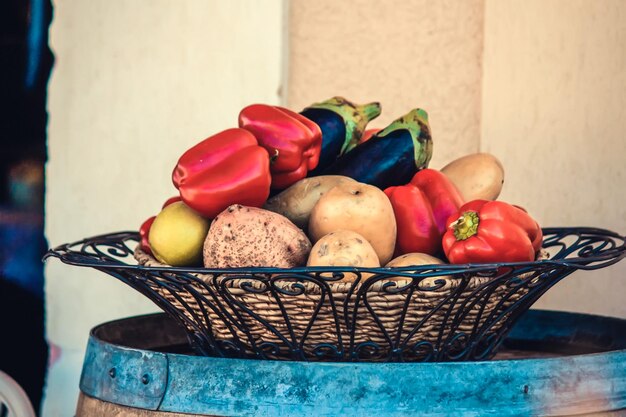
604,255
437,312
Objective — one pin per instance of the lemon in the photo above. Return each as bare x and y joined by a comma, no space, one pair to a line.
177,235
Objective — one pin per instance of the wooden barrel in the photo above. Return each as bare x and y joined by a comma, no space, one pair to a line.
552,364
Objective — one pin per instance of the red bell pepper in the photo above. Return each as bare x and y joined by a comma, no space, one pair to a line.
491,231
170,201
445,199
368,134
421,208
144,230
224,169
292,141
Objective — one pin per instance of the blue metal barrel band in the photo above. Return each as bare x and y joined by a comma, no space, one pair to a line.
125,376
554,386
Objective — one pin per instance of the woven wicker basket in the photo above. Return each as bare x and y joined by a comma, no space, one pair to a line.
427,312
272,314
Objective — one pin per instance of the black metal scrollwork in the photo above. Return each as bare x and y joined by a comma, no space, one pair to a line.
417,313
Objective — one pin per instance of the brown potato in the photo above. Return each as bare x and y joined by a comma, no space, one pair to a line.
343,248
477,176
414,259
358,207
243,236
297,201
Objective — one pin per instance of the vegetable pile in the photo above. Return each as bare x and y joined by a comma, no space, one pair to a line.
321,188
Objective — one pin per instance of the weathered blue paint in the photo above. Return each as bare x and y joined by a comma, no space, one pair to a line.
558,386
119,373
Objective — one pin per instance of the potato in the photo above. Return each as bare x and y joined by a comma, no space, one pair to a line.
416,258
343,248
477,176
297,201
243,236
358,207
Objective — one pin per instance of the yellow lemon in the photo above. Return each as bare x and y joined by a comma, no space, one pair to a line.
177,235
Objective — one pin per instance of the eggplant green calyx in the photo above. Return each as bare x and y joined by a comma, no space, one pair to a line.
355,116
416,123
466,226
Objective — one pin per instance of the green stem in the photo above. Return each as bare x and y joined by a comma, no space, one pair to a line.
466,226
369,111
416,123
355,116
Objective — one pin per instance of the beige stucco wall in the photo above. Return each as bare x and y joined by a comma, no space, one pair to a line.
546,94
135,83
554,111
405,54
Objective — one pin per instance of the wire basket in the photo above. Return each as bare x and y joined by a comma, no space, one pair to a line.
418,313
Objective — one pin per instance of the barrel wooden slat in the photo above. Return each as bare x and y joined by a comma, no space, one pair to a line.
93,407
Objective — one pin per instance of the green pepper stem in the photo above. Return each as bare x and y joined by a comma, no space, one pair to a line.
466,226
274,157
